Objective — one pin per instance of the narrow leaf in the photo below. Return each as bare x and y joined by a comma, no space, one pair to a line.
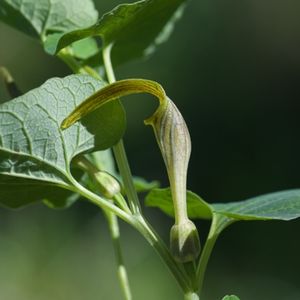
32,145
135,29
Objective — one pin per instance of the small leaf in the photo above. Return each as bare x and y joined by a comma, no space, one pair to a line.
231,297
104,161
84,49
32,145
39,18
283,205
142,185
135,29
162,199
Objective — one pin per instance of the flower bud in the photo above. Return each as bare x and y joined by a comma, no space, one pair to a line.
106,184
184,241
175,144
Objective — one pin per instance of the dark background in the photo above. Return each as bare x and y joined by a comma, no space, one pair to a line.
233,69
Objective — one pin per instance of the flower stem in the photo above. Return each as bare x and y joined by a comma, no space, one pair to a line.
139,221
156,242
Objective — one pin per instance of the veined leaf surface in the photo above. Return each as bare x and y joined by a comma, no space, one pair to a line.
38,18
32,145
284,205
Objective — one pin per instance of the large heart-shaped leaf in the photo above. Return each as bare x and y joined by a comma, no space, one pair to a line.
134,29
283,205
39,18
32,145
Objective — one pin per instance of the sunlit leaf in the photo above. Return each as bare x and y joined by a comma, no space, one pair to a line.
84,49
39,18
135,29
283,205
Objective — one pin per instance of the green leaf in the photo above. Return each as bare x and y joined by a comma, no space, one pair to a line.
17,192
39,18
135,29
283,205
162,199
84,49
32,145
142,185
231,297
104,161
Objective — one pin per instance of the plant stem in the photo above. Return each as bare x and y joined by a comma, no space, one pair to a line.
122,273
110,210
156,242
101,202
140,223
111,213
219,223
113,225
10,84
119,150
74,65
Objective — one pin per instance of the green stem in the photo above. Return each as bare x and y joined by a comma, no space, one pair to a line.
122,273
158,244
219,223
141,224
74,65
87,166
101,202
110,210
10,84
145,229
113,224
118,149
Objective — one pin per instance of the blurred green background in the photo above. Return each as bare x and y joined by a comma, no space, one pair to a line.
233,69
